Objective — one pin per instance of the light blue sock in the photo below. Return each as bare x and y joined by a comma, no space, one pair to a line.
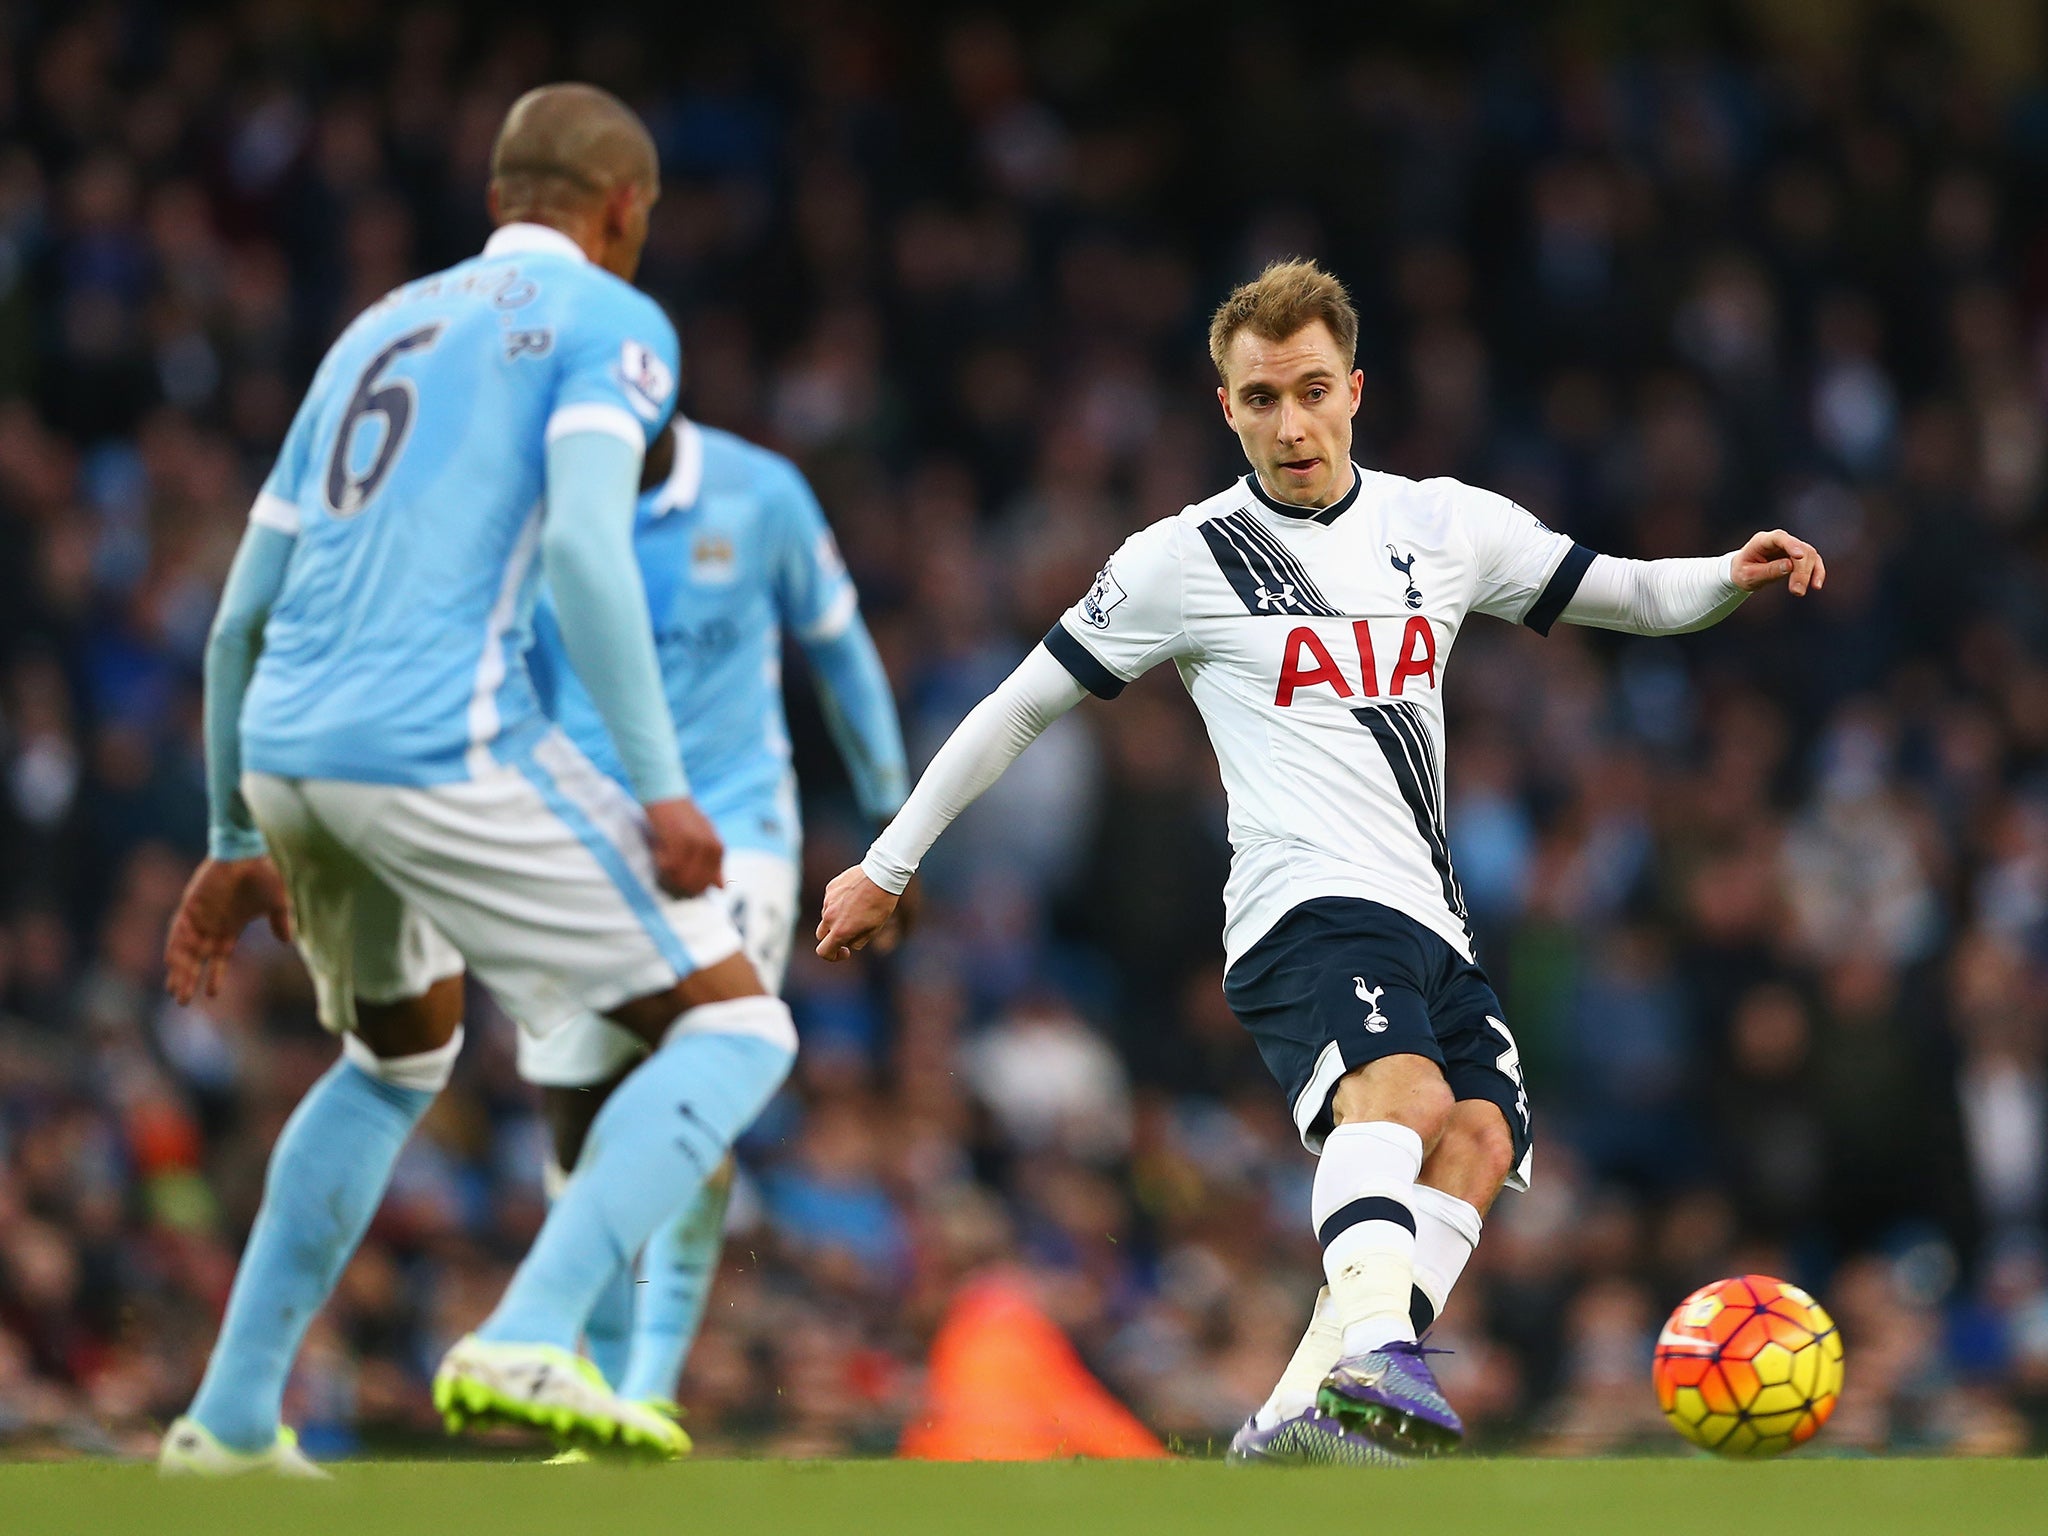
660,1135
327,1175
608,1332
676,1271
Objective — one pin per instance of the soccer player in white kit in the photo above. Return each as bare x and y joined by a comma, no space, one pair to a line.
1310,609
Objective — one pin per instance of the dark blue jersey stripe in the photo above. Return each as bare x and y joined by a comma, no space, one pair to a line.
1564,581
1283,557
1406,747
1079,660
1262,583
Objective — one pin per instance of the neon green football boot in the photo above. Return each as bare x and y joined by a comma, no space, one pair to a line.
542,1386
575,1457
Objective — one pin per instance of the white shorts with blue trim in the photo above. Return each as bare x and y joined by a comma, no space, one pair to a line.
761,891
535,876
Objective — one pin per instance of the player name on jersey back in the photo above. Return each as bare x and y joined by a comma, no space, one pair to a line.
413,481
1314,643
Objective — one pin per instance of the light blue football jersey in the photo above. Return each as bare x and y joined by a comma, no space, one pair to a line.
413,478
733,548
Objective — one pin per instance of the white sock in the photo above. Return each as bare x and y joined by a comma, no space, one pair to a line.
1446,1232
1313,1358
1365,1219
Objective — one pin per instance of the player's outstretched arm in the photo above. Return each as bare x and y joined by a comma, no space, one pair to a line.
1676,597
593,479
859,902
237,883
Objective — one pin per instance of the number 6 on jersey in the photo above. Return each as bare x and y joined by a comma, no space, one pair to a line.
393,402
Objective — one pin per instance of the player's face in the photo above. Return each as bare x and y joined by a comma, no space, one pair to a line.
1290,403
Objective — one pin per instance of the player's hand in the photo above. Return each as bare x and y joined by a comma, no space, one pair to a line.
855,910
687,853
222,898
1777,556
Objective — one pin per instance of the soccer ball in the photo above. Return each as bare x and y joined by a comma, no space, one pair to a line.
1748,1367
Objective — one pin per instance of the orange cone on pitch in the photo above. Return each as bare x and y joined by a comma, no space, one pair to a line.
1004,1384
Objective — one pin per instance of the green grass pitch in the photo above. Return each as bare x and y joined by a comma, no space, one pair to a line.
1800,1497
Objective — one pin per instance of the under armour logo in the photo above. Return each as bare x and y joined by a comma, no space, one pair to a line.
1270,598
1370,996
1413,596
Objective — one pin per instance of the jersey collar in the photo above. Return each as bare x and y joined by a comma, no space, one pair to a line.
686,478
519,237
1324,515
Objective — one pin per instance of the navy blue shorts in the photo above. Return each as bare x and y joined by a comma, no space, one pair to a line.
1339,983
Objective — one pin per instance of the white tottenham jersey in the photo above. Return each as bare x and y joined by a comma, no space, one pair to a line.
1314,642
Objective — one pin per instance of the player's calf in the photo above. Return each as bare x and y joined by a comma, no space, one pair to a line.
1473,1155
1387,1114
644,1321
1461,1178
327,1173
660,1136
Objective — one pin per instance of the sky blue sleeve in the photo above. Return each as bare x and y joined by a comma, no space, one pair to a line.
817,601
286,488
254,581
600,603
616,364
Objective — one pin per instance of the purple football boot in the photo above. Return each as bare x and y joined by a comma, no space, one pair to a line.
1309,1439
1390,1396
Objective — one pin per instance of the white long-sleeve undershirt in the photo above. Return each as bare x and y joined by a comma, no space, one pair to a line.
995,731
1655,597
1639,597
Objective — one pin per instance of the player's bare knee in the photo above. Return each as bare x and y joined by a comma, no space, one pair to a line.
412,1025
1408,1090
651,1017
728,981
411,1043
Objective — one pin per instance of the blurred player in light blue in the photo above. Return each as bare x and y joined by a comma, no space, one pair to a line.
735,552
384,784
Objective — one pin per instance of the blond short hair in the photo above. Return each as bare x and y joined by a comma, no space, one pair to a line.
1280,301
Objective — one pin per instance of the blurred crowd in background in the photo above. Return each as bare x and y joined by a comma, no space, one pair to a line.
1768,906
